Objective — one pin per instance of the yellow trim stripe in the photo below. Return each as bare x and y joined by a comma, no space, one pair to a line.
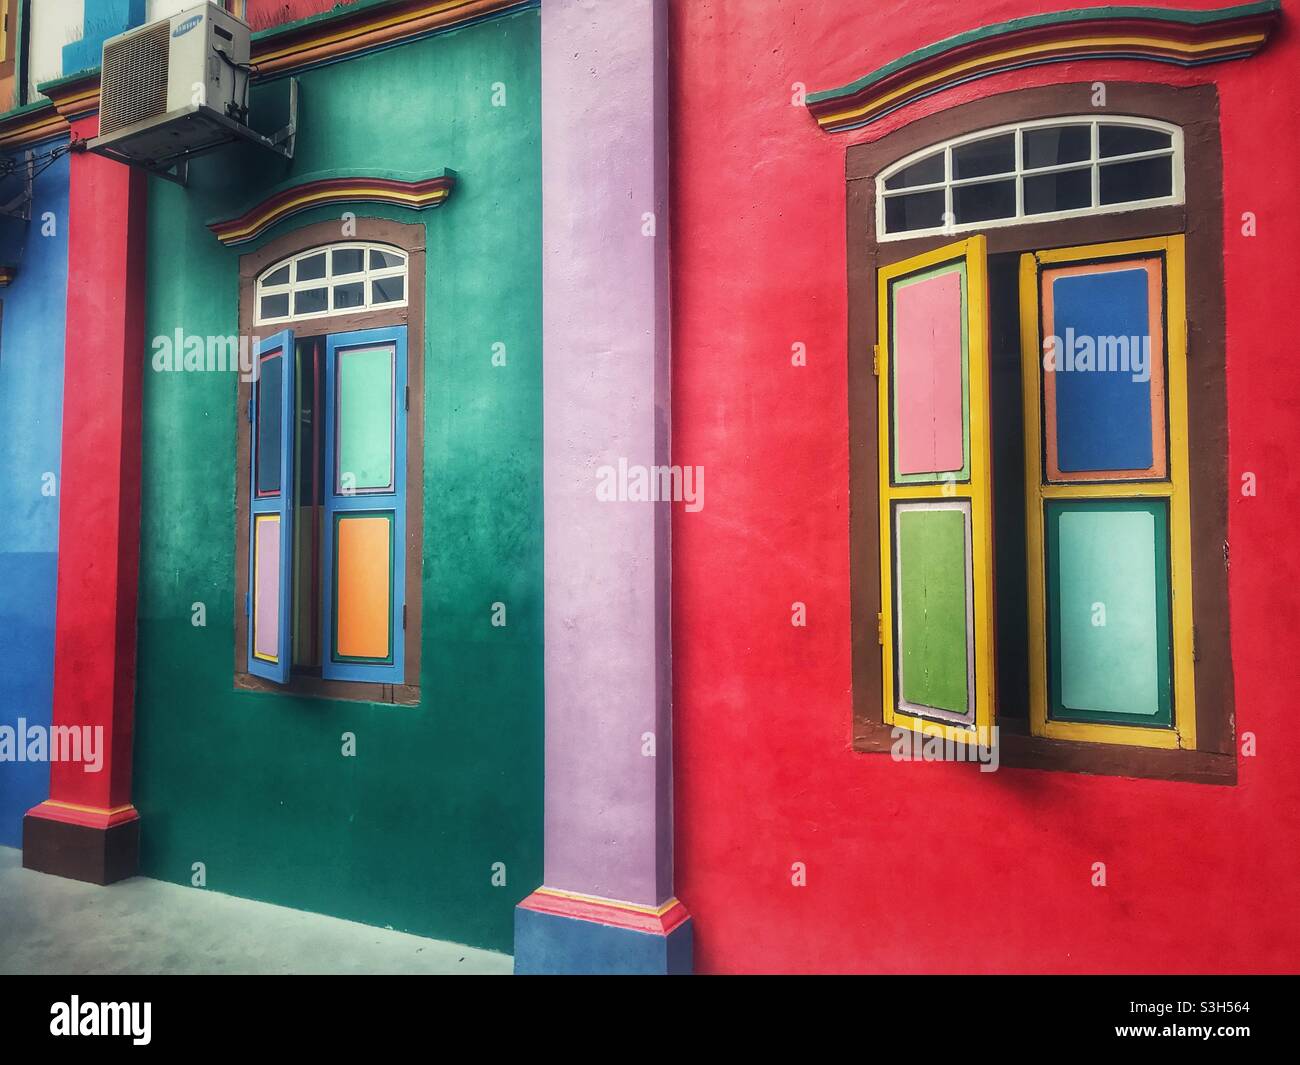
597,900
45,125
72,105
87,809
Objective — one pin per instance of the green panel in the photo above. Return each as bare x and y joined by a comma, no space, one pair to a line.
406,832
1108,612
365,413
933,640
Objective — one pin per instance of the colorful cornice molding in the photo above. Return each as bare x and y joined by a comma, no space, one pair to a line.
1162,35
30,125
74,96
303,195
364,27
66,100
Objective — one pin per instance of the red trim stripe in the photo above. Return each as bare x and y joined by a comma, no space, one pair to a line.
608,912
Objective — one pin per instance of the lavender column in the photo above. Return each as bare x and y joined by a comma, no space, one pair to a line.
607,904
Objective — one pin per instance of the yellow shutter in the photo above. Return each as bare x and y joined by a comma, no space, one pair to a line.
936,527
1110,604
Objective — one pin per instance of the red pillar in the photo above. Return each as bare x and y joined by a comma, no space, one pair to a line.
88,829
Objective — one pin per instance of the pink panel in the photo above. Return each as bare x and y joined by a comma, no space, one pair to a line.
927,375
266,592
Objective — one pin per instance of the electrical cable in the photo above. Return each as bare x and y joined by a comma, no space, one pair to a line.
36,165
247,69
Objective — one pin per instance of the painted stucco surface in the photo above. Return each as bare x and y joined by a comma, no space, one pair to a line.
101,19
31,406
51,27
606,339
931,867
253,785
263,13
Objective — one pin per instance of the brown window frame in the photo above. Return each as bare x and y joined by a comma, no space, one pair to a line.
1200,218
410,238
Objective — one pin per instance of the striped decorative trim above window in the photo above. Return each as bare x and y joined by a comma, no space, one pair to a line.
1161,35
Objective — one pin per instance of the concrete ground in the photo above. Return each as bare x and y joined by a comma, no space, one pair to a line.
49,925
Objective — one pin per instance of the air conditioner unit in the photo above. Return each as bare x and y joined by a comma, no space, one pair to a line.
177,88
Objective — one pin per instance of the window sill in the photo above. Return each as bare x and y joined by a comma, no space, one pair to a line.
1019,750
348,690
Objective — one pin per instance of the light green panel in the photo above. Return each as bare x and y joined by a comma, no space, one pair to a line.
933,644
366,418
1107,611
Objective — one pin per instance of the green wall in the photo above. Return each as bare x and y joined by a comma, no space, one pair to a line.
254,785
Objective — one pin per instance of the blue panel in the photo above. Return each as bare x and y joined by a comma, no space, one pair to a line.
31,421
548,944
280,504
1103,416
382,501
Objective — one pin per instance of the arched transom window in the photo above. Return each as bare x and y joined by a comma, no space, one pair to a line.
1031,171
340,279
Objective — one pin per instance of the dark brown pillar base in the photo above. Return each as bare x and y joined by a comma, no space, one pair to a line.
78,852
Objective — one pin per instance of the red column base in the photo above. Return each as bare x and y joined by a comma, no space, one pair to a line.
97,846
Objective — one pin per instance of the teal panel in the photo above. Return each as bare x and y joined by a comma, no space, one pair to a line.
1108,612
365,427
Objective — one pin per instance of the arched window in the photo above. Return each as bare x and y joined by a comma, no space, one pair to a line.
329,553
1037,410
1032,171
347,278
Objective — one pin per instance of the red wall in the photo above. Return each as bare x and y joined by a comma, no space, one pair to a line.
262,14
932,867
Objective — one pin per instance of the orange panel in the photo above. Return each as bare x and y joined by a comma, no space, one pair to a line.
364,582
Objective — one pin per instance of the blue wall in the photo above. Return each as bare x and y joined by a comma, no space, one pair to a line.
103,19
31,418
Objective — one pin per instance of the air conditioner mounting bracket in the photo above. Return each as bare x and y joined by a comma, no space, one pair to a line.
176,168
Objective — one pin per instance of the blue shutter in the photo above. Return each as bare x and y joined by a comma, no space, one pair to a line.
364,555
270,499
